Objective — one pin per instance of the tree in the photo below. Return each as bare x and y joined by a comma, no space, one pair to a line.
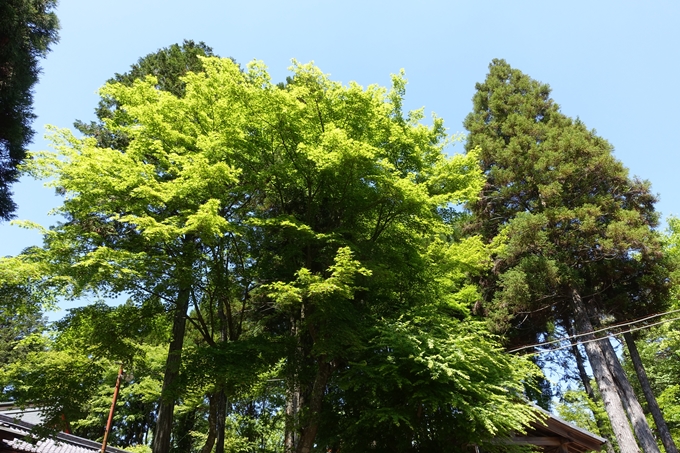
657,348
168,65
27,30
70,373
23,299
318,215
581,245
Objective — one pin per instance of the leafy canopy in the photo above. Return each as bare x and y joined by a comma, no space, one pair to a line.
323,214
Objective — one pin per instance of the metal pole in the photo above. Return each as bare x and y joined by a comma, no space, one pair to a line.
113,406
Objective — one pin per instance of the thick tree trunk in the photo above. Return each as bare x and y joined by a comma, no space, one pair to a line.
585,379
629,399
162,434
654,408
308,434
604,379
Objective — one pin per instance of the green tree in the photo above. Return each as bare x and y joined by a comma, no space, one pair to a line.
581,240
71,372
578,408
659,349
316,213
168,65
27,29
24,296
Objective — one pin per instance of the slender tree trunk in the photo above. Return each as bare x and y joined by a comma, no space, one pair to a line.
212,415
162,434
630,401
308,434
226,327
293,401
292,412
604,379
220,420
585,379
654,408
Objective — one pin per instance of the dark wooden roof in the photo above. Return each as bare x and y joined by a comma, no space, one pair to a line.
13,432
554,435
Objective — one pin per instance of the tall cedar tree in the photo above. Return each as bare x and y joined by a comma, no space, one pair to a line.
579,231
27,29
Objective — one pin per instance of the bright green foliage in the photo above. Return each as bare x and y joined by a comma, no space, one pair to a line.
659,347
577,408
399,397
27,29
74,374
308,226
571,216
59,380
24,296
660,352
168,65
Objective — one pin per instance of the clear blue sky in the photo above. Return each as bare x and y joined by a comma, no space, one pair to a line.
615,64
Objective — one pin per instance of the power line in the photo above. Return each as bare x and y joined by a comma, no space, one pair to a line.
613,334
623,324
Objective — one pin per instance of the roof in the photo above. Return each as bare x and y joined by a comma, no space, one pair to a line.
553,434
12,433
29,413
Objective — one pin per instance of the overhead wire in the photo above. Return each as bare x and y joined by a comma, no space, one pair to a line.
570,338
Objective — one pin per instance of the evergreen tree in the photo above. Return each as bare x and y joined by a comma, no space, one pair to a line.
581,246
27,29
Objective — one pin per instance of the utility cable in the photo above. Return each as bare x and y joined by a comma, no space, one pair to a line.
633,329
623,324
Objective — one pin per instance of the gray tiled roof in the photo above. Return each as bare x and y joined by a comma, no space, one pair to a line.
13,431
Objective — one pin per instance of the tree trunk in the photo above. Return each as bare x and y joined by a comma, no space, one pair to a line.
162,434
630,401
308,434
212,415
585,379
604,379
220,420
294,398
654,408
223,313
292,412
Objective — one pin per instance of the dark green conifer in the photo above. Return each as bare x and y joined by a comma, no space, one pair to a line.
578,227
27,29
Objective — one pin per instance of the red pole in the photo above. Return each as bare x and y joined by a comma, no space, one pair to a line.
113,406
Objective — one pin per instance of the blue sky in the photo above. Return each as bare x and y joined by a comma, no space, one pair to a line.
615,64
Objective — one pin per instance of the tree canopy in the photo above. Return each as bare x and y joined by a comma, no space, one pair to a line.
306,232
